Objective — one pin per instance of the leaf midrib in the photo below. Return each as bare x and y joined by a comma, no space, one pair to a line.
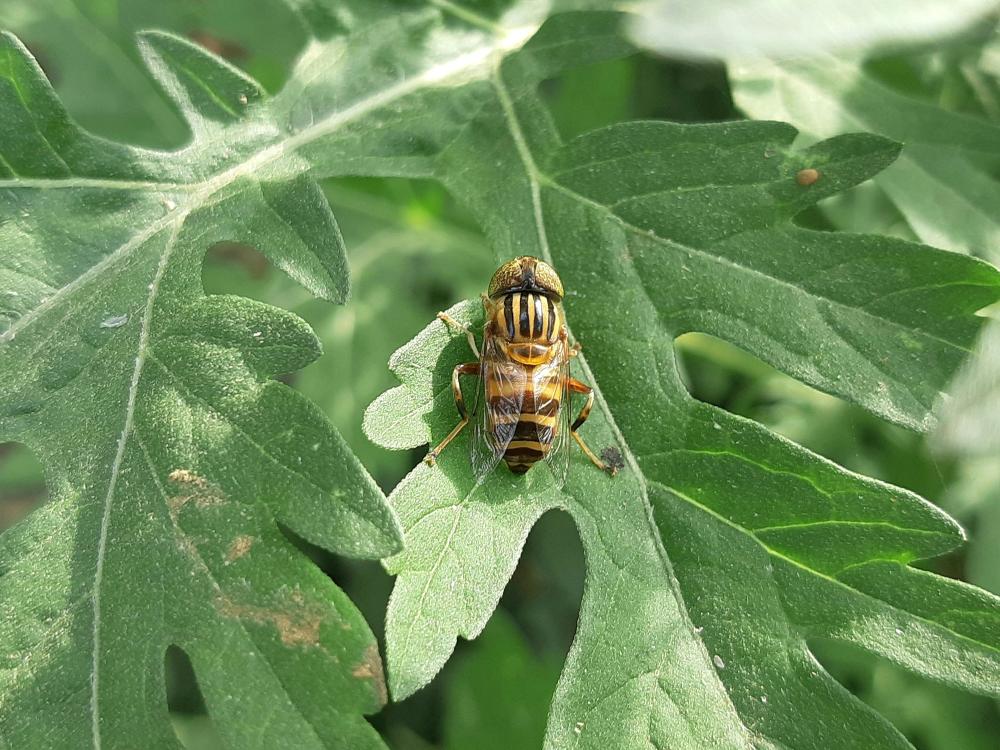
535,177
140,360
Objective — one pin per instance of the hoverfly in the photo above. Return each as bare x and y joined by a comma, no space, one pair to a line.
522,410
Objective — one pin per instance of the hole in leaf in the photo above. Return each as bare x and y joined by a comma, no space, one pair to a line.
502,682
545,592
722,374
235,268
499,687
22,483
639,87
190,720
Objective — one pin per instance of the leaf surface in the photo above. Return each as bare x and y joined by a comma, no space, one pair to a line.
88,50
171,453
721,549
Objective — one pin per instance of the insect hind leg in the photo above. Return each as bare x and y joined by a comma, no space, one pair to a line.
469,368
578,387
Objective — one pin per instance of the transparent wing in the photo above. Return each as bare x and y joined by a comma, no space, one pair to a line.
498,407
553,378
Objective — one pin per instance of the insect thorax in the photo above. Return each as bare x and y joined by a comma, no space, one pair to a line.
527,324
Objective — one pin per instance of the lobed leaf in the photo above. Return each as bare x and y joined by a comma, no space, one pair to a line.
154,411
721,549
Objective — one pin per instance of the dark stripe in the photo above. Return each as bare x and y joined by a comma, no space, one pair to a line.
499,399
508,313
524,453
546,408
526,431
522,301
552,319
537,332
519,468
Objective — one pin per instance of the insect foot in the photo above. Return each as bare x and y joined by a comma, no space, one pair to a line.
431,458
613,460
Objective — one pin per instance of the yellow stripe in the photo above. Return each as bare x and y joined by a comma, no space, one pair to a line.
551,392
503,388
534,444
542,419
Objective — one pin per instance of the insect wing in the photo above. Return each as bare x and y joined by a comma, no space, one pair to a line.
550,380
498,408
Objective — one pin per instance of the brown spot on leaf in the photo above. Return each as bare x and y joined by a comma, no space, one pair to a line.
807,177
191,486
239,547
297,623
370,668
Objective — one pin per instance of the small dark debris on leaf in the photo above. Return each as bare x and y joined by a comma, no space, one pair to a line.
806,177
612,457
769,152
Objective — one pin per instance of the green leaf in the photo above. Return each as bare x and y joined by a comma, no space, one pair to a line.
786,28
721,550
944,182
87,49
171,453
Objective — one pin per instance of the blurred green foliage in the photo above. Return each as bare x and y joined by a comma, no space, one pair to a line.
413,252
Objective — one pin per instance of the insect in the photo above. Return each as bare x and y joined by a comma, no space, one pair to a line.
522,412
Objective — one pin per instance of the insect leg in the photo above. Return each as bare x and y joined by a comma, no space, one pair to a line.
578,387
469,368
468,333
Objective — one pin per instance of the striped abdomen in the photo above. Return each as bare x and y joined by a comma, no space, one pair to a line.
539,418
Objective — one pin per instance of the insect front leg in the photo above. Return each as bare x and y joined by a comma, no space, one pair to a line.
448,320
571,351
469,368
577,387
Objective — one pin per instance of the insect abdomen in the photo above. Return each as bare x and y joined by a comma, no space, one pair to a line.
535,426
